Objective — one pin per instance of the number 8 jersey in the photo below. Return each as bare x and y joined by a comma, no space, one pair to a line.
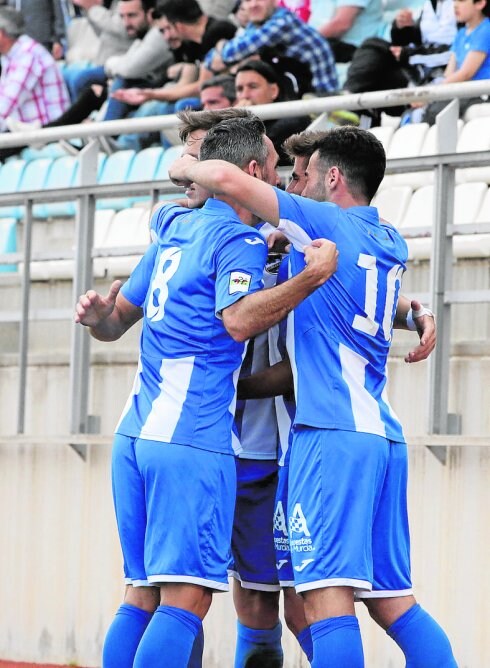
339,338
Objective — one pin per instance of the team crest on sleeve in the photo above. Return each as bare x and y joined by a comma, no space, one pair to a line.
240,281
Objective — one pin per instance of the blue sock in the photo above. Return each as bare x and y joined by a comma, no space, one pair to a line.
195,660
306,642
123,637
422,640
258,648
337,643
168,640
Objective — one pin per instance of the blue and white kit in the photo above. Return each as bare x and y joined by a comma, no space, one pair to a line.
338,342
173,463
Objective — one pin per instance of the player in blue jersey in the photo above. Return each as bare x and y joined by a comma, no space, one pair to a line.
173,456
277,381
347,516
255,586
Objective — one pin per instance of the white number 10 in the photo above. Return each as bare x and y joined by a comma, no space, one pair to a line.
366,323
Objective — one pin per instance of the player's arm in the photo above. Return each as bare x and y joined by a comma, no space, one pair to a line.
274,381
259,311
107,318
412,315
222,178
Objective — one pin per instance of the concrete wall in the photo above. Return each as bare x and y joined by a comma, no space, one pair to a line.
59,558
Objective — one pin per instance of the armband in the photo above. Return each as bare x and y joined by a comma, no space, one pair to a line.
417,314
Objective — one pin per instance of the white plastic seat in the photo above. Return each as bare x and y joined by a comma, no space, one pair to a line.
469,205
8,241
475,136
384,133
407,141
419,213
477,111
64,269
129,227
392,203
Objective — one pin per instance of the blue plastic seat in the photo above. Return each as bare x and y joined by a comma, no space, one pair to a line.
170,154
8,241
115,170
10,177
62,174
144,167
34,178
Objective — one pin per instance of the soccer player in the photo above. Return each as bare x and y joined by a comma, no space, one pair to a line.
173,460
347,515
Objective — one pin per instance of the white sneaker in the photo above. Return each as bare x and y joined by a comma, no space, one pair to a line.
14,125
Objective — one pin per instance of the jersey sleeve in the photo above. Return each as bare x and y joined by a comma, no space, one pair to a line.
302,220
240,265
136,287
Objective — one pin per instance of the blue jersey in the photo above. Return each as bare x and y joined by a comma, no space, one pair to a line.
339,338
202,261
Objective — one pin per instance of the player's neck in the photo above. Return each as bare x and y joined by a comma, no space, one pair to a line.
245,215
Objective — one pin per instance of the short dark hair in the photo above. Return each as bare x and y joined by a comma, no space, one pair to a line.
225,81
178,11
264,69
147,5
192,120
237,140
303,144
358,154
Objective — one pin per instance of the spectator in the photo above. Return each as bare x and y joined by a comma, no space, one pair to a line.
470,53
353,22
218,93
31,86
92,40
256,82
278,28
418,53
44,22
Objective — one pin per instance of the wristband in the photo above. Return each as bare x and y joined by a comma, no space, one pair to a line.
417,314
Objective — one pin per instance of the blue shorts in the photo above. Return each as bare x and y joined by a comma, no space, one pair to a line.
174,509
254,563
281,535
347,510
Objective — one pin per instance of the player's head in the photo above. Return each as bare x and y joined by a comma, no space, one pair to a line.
242,142
218,92
349,158
300,148
194,126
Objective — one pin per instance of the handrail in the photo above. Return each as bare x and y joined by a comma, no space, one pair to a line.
390,98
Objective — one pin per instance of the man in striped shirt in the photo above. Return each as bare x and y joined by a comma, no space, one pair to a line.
31,86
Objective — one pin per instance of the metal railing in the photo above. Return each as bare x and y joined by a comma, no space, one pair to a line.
441,295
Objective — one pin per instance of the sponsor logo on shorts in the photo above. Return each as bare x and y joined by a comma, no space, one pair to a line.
299,525
239,282
301,567
281,563
281,542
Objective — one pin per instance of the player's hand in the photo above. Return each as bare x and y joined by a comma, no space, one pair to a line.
177,172
321,258
92,307
277,242
426,328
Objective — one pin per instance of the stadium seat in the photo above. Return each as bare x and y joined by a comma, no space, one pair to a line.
144,167
392,203
10,177
469,202
62,174
64,269
115,170
419,213
477,111
475,136
129,227
8,242
407,141
384,133
170,154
